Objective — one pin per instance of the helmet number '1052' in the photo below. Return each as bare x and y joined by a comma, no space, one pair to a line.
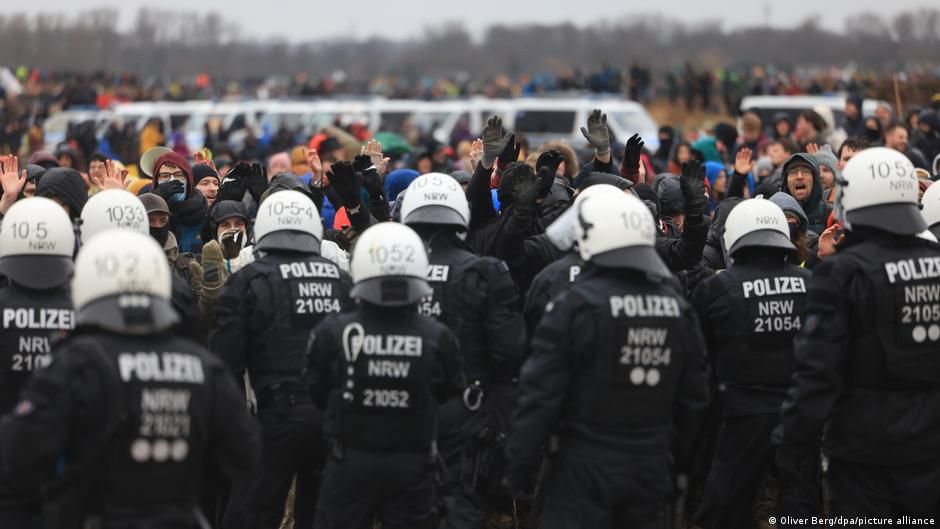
396,253
883,170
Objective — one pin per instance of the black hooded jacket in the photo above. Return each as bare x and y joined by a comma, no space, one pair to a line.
816,209
67,185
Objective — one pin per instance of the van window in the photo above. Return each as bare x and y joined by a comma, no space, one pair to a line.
631,122
545,121
177,120
393,121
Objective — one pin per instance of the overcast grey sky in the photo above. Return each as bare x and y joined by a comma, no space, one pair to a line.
300,20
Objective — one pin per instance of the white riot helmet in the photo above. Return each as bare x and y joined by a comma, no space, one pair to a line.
36,244
931,211
288,221
563,231
435,198
113,209
122,283
879,189
617,230
390,266
756,223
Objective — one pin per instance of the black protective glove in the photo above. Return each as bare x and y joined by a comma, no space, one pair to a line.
347,184
168,189
525,195
550,158
257,181
692,183
232,243
546,178
631,153
596,132
495,140
361,163
510,153
235,184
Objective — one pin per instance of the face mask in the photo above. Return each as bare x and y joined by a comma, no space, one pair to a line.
160,234
794,231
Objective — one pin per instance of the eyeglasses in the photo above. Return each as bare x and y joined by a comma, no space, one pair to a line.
179,175
799,171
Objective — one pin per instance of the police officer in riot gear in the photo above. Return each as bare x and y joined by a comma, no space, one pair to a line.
555,278
475,298
381,369
129,414
36,247
867,373
119,209
749,315
263,320
617,368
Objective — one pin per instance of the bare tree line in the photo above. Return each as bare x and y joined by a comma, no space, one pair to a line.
185,43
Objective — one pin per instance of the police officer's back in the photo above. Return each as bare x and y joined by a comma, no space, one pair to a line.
133,414
867,369
262,324
617,363
380,370
556,277
476,298
749,314
36,248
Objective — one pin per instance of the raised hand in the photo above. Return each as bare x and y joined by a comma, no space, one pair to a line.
495,140
110,176
11,177
596,132
742,161
374,150
631,153
476,153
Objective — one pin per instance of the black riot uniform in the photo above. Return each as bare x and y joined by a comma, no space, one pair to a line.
263,321
550,282
129,415
139,419
381,371
749,315
32,321
867,372
867,369
616,362
477,299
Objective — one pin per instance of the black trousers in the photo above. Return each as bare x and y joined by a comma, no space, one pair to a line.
891,490
589,488
395,488
292,446
743,454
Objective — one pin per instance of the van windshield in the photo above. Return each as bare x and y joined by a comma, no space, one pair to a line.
545,121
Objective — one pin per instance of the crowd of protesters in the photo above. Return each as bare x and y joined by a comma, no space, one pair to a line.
513,201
